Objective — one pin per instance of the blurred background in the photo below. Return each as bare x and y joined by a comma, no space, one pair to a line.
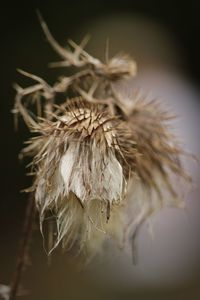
163,37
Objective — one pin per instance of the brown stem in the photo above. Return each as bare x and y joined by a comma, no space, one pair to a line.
23,247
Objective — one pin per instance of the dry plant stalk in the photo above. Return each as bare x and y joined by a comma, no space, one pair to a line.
97,153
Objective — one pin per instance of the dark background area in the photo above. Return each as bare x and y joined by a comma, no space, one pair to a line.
23,45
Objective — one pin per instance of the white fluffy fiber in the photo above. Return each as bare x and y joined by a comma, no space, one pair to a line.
82,184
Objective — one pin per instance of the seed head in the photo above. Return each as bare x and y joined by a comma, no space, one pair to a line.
97,154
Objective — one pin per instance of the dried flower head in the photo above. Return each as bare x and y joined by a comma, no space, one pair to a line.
81,158
94,152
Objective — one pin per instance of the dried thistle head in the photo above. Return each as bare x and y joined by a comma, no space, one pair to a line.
83,156
92,152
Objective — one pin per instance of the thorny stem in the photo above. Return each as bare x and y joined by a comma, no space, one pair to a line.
23,247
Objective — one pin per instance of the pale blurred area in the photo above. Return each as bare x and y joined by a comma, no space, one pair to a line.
171,258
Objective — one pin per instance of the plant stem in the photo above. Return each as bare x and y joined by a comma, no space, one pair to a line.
23,247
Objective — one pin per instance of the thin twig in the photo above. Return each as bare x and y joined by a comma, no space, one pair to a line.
23,247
